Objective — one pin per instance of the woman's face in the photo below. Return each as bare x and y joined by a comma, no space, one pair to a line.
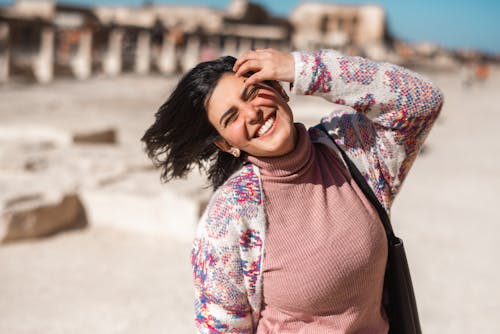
256,120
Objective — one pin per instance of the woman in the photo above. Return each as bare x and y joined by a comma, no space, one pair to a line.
288,242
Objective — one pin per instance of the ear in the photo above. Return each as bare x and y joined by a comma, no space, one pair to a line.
222,144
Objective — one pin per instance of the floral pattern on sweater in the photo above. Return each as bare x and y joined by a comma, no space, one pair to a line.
382,116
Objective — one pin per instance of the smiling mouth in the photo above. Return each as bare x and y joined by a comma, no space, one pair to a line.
266,126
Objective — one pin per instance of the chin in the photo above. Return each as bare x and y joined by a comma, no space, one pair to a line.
286,144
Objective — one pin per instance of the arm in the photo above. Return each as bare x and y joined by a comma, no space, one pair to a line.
391,110
386,115
221,300
220,304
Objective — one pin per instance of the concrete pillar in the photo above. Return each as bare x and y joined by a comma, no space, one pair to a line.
4,52
81,64
230,46
191,54
43,65
168,60
245,45
143,53
113,59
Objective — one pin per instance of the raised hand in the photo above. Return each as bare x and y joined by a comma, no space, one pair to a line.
266,64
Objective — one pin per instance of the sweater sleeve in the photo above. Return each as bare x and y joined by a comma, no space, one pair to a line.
221,304
385,112
227,256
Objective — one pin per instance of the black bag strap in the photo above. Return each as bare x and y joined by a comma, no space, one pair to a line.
365,188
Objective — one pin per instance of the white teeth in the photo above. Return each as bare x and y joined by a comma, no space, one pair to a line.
264,128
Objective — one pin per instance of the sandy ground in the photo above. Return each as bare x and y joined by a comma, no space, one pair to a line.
105,280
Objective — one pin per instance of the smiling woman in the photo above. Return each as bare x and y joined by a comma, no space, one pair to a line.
254,118
289,243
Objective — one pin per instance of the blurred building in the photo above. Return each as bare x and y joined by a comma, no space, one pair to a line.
40,39
27,39
351,28
75,34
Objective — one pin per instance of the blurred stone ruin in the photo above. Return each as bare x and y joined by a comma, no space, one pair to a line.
55,180
41,39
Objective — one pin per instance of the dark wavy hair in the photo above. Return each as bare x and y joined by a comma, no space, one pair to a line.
182,137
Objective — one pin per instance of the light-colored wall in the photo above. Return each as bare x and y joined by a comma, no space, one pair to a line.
362,25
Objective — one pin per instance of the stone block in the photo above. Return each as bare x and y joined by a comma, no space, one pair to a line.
106,136
33,216
33,136
141,203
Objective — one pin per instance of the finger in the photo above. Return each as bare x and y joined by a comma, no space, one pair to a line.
253,79
261,50
250,55
247,55
250,65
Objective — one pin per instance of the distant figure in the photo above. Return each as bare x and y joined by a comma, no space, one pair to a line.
482,72
474,73
288,242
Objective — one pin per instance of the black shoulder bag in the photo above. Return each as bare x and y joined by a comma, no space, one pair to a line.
399,297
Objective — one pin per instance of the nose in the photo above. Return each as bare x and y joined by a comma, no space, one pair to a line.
252,113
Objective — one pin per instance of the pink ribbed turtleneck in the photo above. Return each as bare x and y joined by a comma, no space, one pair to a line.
326,248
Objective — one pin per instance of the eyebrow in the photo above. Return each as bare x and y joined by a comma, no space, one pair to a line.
233,109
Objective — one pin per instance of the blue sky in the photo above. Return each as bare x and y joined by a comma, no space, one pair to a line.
450,23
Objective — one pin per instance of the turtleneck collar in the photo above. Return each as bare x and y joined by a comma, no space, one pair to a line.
294,163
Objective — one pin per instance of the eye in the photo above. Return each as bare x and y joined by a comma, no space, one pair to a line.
230,118
252,93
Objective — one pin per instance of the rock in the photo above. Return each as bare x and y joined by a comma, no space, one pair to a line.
33,136
39,203
19,158
45,191
36,216
35,163
106,136
140,203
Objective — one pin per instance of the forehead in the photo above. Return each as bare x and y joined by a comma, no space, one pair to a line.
226,92
228,83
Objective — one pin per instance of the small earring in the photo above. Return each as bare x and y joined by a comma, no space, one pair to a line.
236,152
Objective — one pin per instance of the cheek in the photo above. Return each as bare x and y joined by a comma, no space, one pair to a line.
236,133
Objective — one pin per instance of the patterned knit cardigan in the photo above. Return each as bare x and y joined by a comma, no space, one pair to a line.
382,116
